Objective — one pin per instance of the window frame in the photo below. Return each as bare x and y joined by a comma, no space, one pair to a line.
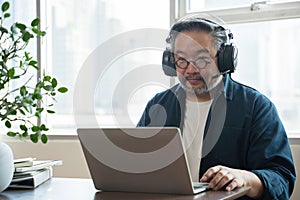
255,12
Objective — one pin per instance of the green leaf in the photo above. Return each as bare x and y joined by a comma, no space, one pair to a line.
37,96
5,6
62,89
11,72
54,82
13,29
39,110
12,112
6,15
48,87
21,26
35,128
26,36
27,56
3,30
8,124
35,22
44,138
23,91
47,78
23,127
20,136
34,138
43,127
39,84
16,77
50,111
43,33
36,31
25,134
33,62
28,100
25,107
17,98
22,111
11,134
37,114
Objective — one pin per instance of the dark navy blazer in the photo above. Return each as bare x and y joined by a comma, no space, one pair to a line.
243,131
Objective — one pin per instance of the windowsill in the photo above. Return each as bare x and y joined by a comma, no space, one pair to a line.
294,139
5,138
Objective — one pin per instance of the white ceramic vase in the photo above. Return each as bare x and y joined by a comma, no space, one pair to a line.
6,166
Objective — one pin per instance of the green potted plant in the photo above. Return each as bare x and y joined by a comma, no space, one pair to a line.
21,101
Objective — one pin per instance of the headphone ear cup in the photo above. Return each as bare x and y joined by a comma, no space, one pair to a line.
168,63
227,58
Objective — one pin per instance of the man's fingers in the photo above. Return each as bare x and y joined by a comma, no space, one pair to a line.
234,184
225,181
209,174
222,178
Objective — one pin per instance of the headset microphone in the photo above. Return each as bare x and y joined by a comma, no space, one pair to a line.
219,74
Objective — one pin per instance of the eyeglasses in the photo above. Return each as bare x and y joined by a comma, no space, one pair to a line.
200,63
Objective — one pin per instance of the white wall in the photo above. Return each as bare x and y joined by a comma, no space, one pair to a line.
68,149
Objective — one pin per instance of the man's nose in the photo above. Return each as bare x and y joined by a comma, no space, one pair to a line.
191,68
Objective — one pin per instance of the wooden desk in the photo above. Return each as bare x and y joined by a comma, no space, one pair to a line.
73,188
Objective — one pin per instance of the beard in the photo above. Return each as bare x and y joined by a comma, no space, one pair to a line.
199,91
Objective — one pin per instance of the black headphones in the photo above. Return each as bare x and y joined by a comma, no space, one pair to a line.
227,54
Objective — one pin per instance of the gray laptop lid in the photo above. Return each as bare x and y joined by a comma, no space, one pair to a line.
140,159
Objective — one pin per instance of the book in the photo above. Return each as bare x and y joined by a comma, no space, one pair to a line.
31,179
23,162
19,160
38,164
18,175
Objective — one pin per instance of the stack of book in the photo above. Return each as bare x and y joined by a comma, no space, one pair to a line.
30,173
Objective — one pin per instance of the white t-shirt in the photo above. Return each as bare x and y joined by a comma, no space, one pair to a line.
193,130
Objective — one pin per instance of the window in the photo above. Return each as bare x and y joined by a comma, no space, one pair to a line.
266,35
82,35
77,35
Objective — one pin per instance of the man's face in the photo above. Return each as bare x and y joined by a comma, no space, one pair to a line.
198,49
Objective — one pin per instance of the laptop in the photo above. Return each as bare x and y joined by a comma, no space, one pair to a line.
143,159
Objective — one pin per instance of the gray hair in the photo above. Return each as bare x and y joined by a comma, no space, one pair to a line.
199,24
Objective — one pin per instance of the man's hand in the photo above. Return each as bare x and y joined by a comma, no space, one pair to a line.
220,176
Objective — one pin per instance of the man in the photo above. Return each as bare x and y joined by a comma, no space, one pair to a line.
242,138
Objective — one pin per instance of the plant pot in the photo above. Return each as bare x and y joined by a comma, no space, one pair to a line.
6,166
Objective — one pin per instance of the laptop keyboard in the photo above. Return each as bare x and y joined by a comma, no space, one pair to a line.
200,185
